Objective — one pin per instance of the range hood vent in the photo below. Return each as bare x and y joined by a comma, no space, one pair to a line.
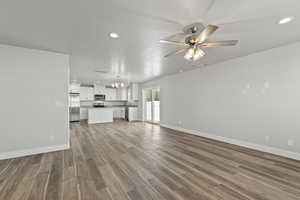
86,85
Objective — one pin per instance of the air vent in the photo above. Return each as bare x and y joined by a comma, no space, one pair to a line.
109,86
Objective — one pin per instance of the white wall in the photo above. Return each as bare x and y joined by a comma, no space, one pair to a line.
34,101
246,99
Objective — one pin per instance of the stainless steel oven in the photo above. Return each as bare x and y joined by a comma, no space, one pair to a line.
99,100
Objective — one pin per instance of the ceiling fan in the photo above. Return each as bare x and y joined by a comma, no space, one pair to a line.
193,38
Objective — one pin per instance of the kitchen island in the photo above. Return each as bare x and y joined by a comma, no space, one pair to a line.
100,115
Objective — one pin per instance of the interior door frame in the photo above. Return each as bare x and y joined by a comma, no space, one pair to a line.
144,104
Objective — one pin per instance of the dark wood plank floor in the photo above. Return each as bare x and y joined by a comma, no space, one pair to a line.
139,161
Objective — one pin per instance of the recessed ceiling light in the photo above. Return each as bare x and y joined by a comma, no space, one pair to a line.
113,35
285,20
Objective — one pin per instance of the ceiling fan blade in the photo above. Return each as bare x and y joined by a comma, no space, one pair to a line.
172,53
173,42
219,43
180,37
208,31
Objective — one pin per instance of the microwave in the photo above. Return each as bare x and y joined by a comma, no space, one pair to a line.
99,97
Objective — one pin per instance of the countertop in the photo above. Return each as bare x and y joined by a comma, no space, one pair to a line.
95,108
109,106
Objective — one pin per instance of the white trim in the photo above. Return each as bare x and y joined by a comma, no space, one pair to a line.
68,101
27,152
272,150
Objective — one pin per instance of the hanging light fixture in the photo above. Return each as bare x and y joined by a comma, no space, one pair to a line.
118,83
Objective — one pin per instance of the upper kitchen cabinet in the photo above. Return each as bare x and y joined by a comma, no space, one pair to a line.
86,93
99,89
110,94
133,92
121,94
124,94
74,88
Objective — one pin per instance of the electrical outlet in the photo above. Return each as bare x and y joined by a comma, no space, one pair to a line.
291,142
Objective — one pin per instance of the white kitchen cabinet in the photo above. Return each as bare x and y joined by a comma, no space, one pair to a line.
118,94
132,114
99,89
119,112
133,92
116,113
100,115
86,94
122,113
121,94
129,93
83,113
110,94
113,94
124,94
74,88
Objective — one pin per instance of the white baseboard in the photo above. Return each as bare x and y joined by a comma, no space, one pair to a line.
272,150
27,152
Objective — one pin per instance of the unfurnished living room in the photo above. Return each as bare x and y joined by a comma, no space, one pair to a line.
150,100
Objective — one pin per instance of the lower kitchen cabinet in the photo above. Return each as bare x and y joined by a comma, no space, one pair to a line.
119,113
132,114
83,113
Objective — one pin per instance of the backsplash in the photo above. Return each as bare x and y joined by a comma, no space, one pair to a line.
115,103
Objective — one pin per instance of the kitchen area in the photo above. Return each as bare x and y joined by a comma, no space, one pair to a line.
96,103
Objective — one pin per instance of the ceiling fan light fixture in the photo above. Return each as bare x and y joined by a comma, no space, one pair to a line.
195,36
198,54
286,20
189,54
194,54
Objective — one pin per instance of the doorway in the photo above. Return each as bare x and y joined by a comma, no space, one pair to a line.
151,105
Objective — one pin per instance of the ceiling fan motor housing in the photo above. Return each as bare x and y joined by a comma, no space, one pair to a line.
193,29
190,40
